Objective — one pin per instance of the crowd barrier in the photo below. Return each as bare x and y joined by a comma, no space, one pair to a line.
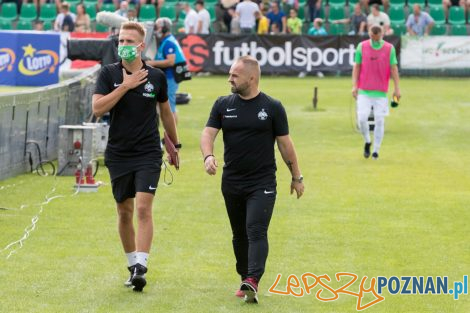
30,120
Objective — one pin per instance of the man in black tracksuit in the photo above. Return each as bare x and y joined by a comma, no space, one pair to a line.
251,122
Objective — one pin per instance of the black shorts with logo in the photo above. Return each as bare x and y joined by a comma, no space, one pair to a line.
126,186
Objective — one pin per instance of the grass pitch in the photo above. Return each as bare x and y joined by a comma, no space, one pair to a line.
403,215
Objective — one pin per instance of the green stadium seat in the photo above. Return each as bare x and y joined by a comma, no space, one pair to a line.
336,13
168,10
397,15
108,7
337,2
48,12
211,9
5,25
48,25
398,3
90,9
398,29
437,13
100,28
24,25
148,13
28,12
301,12
9,11
336,29
456,16
422,3
95,2
458,30
439,30
435,3
73,3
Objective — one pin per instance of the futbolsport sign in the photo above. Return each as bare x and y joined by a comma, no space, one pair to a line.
277,54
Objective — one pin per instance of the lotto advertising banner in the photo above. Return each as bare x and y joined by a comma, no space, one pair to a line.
436,52
277,54
29,58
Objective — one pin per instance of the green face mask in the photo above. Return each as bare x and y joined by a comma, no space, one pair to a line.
128,53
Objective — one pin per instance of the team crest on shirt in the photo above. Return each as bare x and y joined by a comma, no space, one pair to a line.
262,115
149,87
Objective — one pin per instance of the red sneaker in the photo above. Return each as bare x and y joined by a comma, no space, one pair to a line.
239,294
249,287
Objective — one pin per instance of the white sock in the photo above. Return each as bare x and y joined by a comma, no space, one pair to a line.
378,132
131,258
142,258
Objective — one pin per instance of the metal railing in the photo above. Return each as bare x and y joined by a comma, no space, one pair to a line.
30,120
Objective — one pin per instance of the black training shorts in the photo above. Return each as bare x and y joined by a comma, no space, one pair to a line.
126,186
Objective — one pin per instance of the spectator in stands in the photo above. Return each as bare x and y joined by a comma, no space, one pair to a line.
123,9
234,22
358,22
204,18
191,19
294,23
275,29
465,4
82,21
288,5
276,16
314,7
379,18
220,25
65,20
246,13
132,15
367,3
317,28
39,26
262,23
419,23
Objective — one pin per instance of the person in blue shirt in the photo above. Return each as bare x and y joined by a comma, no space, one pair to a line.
168,55
419,23
276,16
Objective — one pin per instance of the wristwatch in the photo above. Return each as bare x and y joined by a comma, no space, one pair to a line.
178,146
299,179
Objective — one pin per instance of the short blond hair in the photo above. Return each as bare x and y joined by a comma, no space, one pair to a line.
134,26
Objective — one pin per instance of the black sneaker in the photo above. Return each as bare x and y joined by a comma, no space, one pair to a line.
375,155
128,283
249,287
367,150
138,277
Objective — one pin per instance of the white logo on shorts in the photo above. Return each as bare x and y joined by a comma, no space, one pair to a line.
152,188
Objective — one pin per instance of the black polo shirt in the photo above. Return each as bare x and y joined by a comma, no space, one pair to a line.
134,141
249,130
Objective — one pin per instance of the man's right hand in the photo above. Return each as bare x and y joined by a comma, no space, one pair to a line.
210,165
354,92
135,79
